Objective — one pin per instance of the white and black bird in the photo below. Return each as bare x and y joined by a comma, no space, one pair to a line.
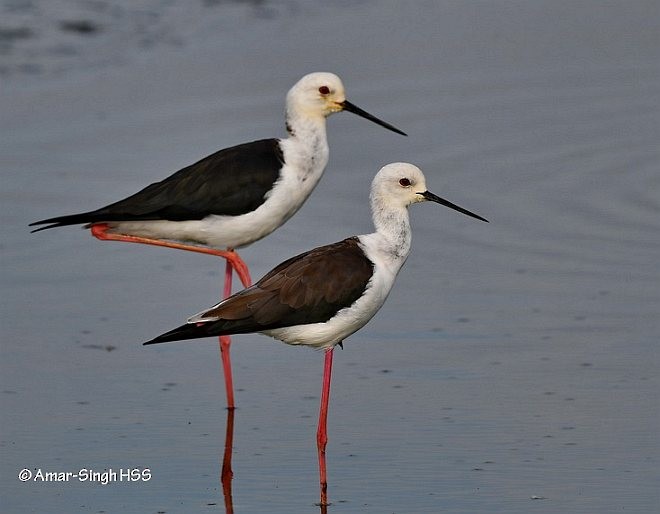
235,196
322,296
238,195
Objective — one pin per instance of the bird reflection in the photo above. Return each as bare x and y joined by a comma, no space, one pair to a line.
226,475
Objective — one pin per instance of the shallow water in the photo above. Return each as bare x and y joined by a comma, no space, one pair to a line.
514,368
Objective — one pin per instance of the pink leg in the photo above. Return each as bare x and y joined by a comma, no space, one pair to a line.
100,231
225,342
322,432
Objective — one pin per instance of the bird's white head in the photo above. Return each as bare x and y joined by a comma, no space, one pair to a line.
401,184
317,95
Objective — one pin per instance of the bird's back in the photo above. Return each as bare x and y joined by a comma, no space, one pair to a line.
230,182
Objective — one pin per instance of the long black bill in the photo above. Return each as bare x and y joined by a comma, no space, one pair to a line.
435,198
348,106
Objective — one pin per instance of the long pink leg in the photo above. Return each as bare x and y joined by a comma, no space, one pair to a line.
100,231
322,432
225,342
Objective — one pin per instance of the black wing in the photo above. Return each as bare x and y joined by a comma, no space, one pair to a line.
229,182
309,288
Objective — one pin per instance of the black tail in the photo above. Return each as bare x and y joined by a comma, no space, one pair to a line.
187,331
63,221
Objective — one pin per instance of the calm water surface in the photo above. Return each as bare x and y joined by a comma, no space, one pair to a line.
514,368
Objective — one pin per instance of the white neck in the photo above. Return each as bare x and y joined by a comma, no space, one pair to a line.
301,123
307,141
393,236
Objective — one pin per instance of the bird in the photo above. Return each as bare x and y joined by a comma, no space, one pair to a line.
232,197
320,297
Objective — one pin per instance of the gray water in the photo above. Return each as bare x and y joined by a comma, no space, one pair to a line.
514,368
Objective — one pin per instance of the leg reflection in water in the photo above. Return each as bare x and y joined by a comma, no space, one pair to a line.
226,475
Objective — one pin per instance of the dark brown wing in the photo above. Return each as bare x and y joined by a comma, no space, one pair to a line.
309,288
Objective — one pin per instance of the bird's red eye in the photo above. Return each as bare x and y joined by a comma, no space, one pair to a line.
404,182
324,90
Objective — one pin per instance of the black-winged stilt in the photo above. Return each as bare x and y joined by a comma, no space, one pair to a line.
235,196
321,297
